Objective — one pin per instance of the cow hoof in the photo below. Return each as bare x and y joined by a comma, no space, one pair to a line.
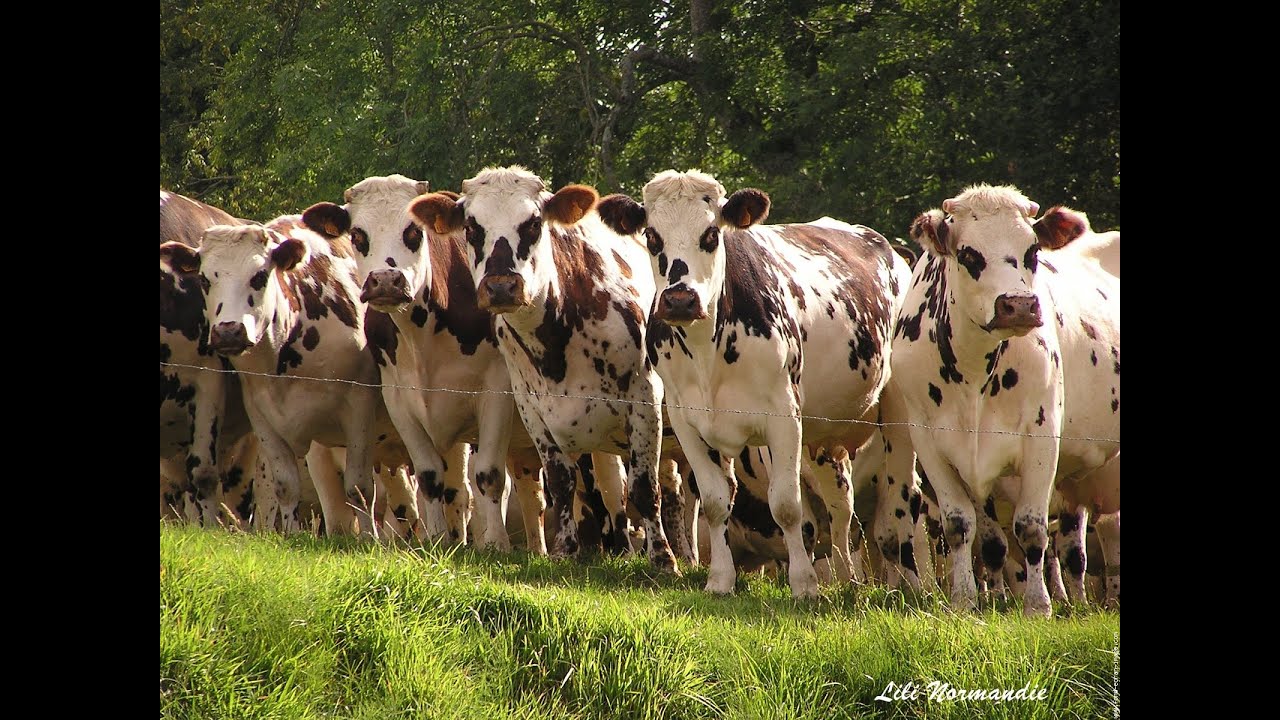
721,585
1041,608
666,562
804,584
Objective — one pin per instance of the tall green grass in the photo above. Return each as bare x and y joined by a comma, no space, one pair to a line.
300,627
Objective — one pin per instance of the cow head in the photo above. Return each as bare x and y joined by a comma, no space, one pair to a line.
391,253
989,235
504,212
238,266
683,217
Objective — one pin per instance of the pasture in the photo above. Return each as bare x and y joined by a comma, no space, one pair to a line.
270,626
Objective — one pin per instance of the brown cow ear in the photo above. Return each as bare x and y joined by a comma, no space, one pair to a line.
570,204
622,214
1059,227
327,219
289,253
182,258
449,194
438,212
932,232
745,208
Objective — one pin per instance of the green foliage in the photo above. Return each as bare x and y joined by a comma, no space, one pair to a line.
300,627
868,111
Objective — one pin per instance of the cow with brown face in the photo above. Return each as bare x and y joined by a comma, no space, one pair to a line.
201,415
282,304
569,298
439,339
754,327
1008,361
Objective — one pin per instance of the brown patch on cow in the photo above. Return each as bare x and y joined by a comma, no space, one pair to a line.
746,207
438,211
622,264
286,281
327,219
382,336
1059,227
621,214
451,294
1089,330
311,338
570,204
289,253
180,257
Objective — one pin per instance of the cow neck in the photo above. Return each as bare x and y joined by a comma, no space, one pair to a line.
975,350
284,326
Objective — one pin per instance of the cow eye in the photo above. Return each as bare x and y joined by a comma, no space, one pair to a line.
653,241
360,240
710,239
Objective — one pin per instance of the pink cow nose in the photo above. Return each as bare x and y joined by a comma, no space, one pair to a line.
1017,312
386,287
229,338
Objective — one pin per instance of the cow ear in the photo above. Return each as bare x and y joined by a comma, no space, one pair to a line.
422,186
932,232
570,204
289,253
745,208
437,212
449,194
622,214
1059,227
327,219
182,258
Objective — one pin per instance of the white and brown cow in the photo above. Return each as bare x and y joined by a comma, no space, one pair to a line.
1009,365
569,296
759,325
201,414
282,304
440,340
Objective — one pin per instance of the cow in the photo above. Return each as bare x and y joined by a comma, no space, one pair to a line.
282,304
444,380
754,327
1006,363
201,415
568,296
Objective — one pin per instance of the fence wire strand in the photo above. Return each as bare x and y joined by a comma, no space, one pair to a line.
598,398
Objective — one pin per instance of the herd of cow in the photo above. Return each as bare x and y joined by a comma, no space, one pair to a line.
687,380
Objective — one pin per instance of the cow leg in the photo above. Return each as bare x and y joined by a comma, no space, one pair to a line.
832,482
899,494
266,506
1031,519
457,493
716,489
993,547
399,495
173,482
612,486
282,464
645,424
1071,550
1052,568
526,473
202,458
676,518
959,522
783,435
1108,529
322,471
488,468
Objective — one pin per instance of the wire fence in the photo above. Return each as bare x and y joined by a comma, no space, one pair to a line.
600,398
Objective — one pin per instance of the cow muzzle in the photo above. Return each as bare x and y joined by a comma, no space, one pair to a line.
501,293
1019,313
229,338
679,306
386,290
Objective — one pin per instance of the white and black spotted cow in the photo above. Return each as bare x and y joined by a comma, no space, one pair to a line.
1009,365
439,338
281,302
768,322
569,296
201,414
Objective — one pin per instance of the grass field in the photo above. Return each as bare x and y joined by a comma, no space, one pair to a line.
300,627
